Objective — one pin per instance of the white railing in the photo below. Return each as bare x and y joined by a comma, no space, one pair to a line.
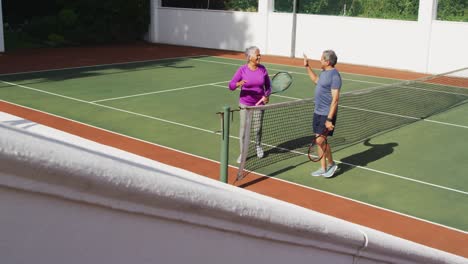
64,199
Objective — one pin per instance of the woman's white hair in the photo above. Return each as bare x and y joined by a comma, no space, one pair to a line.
250,51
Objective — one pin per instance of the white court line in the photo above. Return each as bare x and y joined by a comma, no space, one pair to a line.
360,202
157,92
444,123
101,65
272,178
109,107
301,67
405,178
178,58
211,132
377,171
432,90
42,91
300,73
173,58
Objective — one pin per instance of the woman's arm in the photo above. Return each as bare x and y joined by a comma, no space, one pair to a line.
236,80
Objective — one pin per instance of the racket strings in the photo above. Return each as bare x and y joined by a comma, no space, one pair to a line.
280,82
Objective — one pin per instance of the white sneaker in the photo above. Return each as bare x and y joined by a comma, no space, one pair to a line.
259,151
330,171
239,159
318,173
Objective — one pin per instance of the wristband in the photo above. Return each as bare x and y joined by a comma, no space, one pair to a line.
329,119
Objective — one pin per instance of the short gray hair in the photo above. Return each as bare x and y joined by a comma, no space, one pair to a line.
330,55
250,51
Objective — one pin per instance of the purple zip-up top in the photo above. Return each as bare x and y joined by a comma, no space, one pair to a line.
253,90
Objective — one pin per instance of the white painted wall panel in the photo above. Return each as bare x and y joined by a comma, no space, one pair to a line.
419,46
448,46
211,29
376,42
279,34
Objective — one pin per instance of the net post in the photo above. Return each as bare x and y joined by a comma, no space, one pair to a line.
223,176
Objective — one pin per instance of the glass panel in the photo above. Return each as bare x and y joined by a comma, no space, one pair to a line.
452,10
387,9
236,5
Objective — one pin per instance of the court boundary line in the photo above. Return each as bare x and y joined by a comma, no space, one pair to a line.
234,167
168,58
294,66
212,132
172,58
101,65
299,73
109,107
158,92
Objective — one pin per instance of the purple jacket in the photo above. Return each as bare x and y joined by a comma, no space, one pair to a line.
257,85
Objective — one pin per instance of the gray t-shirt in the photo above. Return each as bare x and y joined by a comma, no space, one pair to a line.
329,79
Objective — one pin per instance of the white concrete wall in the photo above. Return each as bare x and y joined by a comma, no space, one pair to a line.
64,199
448,46
419,46
211,29
376,42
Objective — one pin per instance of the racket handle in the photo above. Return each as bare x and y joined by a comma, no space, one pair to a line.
260,101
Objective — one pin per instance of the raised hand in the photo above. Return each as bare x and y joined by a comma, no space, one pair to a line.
306,60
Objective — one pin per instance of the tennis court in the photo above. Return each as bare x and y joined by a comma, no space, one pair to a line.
417,170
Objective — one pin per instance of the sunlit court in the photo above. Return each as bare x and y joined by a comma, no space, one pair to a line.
400,130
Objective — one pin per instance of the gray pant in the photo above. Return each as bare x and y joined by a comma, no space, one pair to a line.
256,124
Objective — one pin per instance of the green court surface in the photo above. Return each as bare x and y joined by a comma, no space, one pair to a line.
419,169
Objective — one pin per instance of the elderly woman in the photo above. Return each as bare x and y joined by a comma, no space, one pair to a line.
253,80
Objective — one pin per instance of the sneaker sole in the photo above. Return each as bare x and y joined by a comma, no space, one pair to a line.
332,173
316,175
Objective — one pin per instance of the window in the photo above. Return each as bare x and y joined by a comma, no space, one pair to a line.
235,5
387,9
452,10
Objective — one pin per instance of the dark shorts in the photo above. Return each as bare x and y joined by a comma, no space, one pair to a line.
318,124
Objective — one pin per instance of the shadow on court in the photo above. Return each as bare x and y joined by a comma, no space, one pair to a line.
376,152
92,71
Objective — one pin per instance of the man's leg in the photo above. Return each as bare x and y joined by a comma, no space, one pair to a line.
330,170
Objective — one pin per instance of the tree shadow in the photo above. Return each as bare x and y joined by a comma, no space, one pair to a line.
376,152
54,75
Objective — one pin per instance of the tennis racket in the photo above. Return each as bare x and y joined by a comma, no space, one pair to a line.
318,147
279,83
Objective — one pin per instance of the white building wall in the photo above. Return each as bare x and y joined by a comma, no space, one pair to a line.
375,42
45,229
279,37
211,29
448,46
419,46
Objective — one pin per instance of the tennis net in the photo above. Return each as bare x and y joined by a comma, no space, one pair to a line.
284,130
